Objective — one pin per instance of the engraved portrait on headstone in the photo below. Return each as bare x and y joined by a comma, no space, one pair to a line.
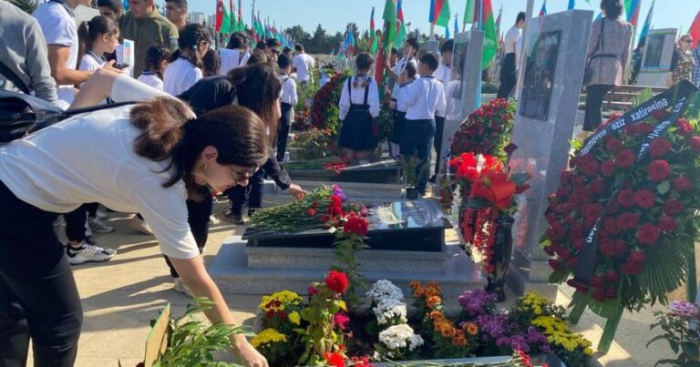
539,76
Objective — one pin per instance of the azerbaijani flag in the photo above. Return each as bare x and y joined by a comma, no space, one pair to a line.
647,23
232,18
222,21
632,8
389,17
470,12
372,33
572,4
402,32
440,12
543,10
695,31
490,34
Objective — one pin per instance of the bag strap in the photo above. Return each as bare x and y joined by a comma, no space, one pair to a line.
369,81
14,78
350,89
78,111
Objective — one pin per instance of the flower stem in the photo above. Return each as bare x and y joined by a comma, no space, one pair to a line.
610,330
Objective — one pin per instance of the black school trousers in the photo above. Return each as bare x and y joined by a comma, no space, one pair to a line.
38,295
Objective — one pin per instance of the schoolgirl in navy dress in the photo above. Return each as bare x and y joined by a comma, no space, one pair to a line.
359,106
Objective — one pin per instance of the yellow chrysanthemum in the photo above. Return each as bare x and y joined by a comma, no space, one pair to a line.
266,336
295,318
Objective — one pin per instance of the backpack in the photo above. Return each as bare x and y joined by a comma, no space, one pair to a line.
22,114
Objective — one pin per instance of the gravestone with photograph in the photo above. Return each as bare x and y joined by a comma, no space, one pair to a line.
555,55
658,53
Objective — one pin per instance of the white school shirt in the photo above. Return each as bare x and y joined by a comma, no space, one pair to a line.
512,37
180,76
51,174
231,59
303,63
398,70
289,90
57,22
151,79
358,96
443,73
400,99
423,98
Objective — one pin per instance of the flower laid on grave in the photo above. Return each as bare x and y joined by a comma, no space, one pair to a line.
487,130
623,220
324,111
313,144
325,207
679,325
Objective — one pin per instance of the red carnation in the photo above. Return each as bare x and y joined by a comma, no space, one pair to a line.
667,223
592,210
334,359
614,144
625,159
611,276
648,234
356,224
695,144
324,218
554,264
645,198
612,225
628,220
597,281
684,127
591,168
337,281
597,186
659,147
660,115
644,128
637,256
626,198
673,207
658,170
682,184
311,212
607,168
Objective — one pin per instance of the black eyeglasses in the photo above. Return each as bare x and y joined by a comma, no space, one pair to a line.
238,176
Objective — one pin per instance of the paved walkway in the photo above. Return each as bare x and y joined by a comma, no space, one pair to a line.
120,297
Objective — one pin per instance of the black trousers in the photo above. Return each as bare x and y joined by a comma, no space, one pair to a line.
250,196
75,221
509,77
198,217
416,141
594,105
283,130
437,142
38,295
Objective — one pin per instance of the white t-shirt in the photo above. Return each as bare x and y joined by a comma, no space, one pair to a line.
58,25
231,59
424,98
49,172
398,70
151,79
357,96
180,76
288,94
443,73
303,63
512,37
401,99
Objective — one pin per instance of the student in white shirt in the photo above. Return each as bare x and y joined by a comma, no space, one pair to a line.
98,36
423,98
185,67
303,63
509,76
145,158
400,111
235,54
359,106
57,22
408,51
156,62
443,75
288,99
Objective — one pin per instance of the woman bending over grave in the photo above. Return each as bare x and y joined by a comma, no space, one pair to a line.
146,158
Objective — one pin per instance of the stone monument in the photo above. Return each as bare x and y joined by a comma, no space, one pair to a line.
658,52
555,55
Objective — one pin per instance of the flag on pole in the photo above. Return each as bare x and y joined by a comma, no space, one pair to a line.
374,45
440,13
402,32
632,7
221,17
389,17
647,23
543,10
498,22
572,4
456,25
447,33
488,25
469,12
695,31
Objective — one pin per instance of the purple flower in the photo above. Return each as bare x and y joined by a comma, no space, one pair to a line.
339,192
476,302
683,309
518,342
364,211
493,325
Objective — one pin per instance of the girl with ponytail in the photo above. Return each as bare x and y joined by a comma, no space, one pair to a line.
185,67
146,158
98,36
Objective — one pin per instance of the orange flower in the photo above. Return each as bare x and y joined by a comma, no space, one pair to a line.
433,301
435,315
448,332
414,285
419,292
471,328
459,341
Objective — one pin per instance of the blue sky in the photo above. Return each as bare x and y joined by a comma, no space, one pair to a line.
333,15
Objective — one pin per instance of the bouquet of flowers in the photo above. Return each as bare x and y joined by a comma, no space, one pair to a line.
324,207
679,325
487,130
324,112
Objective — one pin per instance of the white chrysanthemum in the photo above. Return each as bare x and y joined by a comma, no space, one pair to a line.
390,310
399,337
384,289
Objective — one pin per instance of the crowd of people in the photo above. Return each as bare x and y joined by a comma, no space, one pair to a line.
205,122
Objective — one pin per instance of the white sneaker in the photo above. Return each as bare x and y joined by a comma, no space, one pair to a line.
59,221
98,226
140,225
100,215
88,252
179,286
